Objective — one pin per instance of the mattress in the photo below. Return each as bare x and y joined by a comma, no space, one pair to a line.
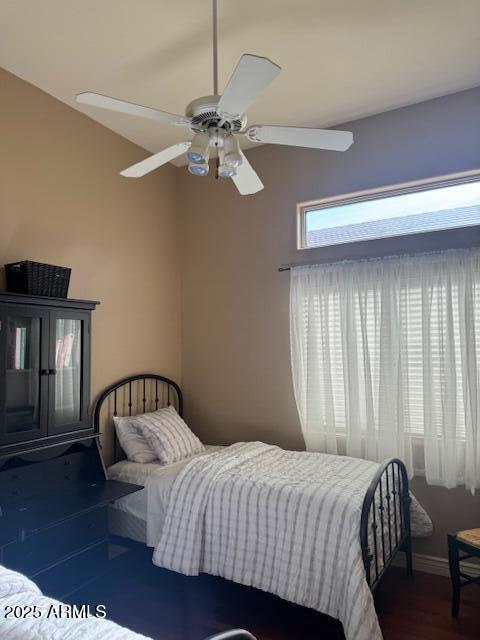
128,516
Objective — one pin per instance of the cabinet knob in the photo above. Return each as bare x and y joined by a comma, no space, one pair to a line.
44,372
52,372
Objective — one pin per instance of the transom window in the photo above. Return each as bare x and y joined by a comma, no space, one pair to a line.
392,212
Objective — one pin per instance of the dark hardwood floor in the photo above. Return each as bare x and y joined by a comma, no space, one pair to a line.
169,606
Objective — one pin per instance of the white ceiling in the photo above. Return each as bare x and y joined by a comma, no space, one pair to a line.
341,59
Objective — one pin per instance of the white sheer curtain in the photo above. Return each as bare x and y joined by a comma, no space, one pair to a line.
387,353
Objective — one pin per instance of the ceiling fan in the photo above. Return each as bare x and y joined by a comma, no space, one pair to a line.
217,121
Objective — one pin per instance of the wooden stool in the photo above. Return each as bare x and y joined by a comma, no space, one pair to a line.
467,542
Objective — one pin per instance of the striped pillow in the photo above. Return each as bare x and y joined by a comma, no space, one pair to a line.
167,435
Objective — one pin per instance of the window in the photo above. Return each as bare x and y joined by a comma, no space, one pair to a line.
392,212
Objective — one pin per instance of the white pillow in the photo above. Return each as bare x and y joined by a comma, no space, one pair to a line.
168,435
132,440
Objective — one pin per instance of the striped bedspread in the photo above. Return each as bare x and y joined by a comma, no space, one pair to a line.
283,521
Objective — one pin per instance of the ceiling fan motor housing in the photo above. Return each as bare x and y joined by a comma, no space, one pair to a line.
204,114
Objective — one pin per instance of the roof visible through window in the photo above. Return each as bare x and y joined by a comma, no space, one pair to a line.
383,215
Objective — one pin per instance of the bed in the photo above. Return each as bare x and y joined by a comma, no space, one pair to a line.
315,529
29,615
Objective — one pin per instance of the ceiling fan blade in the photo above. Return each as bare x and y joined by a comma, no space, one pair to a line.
251,77
152,162
247,180
104,102
301,137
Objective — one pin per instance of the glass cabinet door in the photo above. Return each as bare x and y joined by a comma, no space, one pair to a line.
24,388
69,335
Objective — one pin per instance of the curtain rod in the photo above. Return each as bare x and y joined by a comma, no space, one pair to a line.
290,265
393,256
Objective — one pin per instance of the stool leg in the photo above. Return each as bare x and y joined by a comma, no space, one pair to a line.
454,564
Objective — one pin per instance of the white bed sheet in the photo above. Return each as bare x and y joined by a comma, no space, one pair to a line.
128,516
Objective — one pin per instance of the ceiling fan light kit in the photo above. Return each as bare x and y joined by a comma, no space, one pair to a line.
198,169
199,152
226,171
231,150
218,121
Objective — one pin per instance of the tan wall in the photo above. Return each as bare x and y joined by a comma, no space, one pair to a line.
235,341
62,201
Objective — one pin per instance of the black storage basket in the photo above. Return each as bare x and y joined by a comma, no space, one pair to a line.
37,279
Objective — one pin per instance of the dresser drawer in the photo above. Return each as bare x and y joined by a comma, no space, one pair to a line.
68,576
54,543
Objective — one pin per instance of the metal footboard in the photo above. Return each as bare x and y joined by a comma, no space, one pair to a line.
233,633
385,521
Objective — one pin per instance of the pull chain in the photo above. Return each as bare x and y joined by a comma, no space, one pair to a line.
215,69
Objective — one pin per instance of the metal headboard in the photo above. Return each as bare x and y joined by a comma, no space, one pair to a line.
137,394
